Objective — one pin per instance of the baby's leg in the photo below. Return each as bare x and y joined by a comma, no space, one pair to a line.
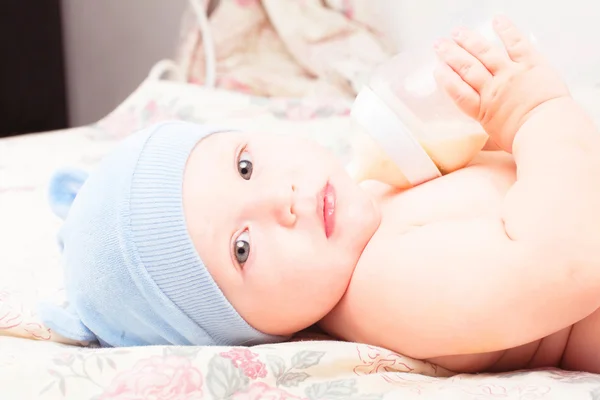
553,210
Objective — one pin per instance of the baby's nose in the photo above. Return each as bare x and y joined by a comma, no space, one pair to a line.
278,203
283,206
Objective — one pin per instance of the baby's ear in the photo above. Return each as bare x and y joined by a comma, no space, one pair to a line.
63,188
65,321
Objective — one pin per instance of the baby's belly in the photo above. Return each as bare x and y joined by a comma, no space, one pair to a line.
546,352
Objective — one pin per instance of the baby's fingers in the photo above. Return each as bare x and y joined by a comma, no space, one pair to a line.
463,95
466,66
492,57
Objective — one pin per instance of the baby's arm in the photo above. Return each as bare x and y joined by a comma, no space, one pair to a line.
551,219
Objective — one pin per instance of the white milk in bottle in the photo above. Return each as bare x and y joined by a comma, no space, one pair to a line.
407,129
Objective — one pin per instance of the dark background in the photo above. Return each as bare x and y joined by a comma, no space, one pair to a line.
32,76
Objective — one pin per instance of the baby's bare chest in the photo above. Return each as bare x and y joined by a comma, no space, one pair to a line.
477,190
542,353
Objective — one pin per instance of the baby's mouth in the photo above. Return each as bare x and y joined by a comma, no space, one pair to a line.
328,207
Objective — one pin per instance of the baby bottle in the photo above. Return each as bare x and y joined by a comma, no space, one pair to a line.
407,129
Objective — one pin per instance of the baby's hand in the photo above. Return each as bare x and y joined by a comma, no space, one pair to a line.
497,87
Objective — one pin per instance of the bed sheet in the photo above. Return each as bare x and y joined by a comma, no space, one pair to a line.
311,367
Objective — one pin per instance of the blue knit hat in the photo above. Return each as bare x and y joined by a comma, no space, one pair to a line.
132,274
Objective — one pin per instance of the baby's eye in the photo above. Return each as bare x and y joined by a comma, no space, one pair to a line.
245,165
241,248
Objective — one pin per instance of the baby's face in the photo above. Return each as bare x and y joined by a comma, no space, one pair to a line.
255,204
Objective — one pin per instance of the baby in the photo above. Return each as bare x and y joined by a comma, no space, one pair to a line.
188,235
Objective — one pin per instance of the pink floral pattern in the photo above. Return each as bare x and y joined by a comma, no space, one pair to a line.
262,391
9,317
38,331
246,360
166,378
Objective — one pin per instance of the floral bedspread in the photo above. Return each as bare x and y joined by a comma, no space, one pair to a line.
36,367
301,370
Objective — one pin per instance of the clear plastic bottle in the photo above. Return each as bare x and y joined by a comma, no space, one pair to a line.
408,130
